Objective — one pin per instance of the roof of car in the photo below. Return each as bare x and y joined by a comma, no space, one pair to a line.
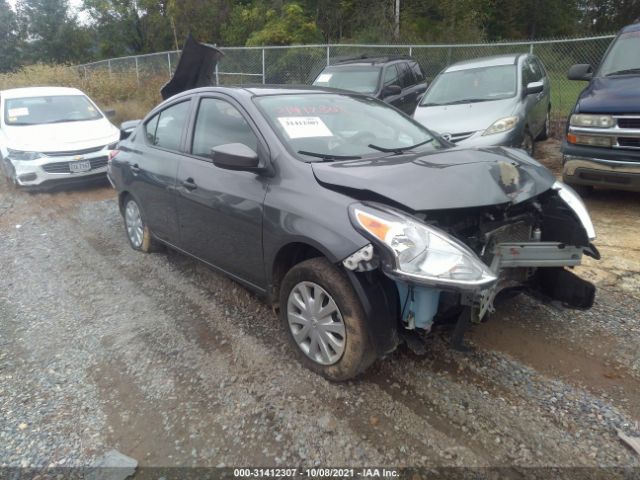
38,91
634,27
263,90
495,61
370,60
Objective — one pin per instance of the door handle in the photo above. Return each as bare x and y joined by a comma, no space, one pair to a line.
189,184
135,168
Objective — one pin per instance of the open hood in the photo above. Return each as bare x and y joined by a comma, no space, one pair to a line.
195,68
446,179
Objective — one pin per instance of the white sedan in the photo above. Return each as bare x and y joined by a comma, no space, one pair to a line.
53,135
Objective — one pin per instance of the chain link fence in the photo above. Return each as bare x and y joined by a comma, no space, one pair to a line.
301,64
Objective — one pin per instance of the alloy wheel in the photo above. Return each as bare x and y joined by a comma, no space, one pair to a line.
133,221
316,323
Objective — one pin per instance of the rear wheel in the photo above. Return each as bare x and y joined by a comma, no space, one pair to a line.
138,232
324,320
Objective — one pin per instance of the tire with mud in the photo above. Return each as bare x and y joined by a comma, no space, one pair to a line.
324,320
137,231
528,143
544,134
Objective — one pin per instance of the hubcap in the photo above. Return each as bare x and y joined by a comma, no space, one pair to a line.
316,323
133,222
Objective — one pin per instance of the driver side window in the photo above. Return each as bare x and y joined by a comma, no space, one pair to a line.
218,123
391,76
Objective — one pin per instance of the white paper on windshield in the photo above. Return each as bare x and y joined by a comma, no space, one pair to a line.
324,77
18,112
304,127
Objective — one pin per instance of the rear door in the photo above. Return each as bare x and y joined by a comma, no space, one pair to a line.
220,211
409,91
151,168
421,79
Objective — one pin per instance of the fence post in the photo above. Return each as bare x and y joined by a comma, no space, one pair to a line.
218,77
263,72
137,71
169,63
328,55
531,48
410,51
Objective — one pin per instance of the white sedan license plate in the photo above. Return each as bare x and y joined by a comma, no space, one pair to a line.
83,166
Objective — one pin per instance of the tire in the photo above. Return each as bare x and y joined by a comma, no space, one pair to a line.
544,134
344,333
138,233
528,143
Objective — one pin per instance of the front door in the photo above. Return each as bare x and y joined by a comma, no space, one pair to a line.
219,210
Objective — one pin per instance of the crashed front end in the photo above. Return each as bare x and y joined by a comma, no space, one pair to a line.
459,260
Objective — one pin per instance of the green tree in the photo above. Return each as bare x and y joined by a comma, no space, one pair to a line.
52,34
9,38
288,26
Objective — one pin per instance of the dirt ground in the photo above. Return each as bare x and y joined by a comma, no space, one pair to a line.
169,363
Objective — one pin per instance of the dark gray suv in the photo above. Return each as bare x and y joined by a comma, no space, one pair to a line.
357,222
397,80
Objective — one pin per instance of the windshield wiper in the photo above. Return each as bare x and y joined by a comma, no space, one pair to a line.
628,71
398,149
328,157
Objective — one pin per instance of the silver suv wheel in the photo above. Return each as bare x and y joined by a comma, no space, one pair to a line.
133,222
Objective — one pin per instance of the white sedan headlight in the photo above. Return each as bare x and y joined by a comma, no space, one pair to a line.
597,121
502,125
576,204
421,253
22,155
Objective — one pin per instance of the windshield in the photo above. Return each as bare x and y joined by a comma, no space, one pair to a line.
326,127
472,85
49,109
358,79
624,56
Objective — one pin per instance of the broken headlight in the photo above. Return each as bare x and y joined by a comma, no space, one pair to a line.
573,200
420,253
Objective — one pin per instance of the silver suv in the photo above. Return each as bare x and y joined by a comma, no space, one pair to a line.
503,100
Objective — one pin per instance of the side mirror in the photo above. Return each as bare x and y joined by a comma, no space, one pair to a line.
580,71
127,128
109,113
534,87
235,156
391,90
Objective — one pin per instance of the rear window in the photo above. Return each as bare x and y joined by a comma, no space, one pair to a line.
49,109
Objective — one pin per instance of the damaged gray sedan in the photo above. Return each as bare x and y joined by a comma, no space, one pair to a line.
359,224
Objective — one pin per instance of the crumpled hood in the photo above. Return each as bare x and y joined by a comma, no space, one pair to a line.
445,179
466,117
619,94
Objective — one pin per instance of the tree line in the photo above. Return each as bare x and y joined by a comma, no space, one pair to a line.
51,31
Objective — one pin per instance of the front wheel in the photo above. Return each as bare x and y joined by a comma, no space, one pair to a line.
138,232
528,143
324,320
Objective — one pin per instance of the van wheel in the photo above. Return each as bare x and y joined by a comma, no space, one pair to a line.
544,134
528,144
324,320
137,231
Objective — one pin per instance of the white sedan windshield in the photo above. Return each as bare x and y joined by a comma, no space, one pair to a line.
334,127
49,109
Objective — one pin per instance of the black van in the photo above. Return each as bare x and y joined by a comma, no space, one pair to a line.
602,144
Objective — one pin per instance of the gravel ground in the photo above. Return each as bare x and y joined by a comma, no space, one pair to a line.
158,357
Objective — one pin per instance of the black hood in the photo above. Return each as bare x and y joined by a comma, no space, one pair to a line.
453,178
195,68
617,94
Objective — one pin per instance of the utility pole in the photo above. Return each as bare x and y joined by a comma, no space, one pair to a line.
396,31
